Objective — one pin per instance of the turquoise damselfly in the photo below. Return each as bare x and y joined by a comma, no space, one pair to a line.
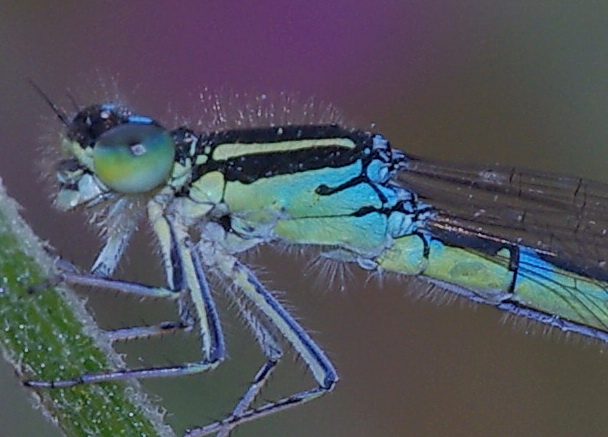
526,242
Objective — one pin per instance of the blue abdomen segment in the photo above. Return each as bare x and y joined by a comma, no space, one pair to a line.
514,279
545,287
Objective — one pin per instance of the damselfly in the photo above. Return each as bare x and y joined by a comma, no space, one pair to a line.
529,243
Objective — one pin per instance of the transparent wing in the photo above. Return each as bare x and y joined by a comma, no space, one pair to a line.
564,219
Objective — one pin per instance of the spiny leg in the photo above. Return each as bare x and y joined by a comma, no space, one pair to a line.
68,273
119,225
147,331
90,280
224,427
117,238
271,349
185,323
183,274
266,304
273,353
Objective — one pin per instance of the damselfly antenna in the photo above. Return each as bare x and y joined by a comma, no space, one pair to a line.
58,112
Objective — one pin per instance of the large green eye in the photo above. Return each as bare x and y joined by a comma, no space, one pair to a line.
134,158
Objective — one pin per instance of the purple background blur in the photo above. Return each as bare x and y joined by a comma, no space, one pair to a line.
519,82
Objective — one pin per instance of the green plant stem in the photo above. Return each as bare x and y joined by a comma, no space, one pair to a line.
49,335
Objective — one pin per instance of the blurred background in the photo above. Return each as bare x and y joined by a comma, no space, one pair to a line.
519,83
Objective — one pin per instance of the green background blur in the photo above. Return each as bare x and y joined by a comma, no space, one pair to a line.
519,82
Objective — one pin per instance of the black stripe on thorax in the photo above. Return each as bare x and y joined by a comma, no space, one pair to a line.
248,168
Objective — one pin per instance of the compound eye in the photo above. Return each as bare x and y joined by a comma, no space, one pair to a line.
134,158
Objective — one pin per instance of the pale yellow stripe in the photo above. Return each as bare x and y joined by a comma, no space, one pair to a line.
234,150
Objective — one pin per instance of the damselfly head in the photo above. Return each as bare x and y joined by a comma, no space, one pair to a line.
109,150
